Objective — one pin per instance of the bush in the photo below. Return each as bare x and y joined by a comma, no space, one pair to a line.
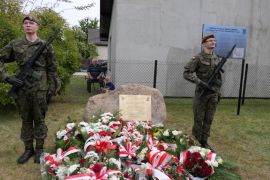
65,45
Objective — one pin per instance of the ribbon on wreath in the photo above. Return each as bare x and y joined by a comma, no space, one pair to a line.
114,125
183,157
94,140
156,160
211,156
70,150
129,127
55,159
51,160
102,175
151,144
80,177
130,150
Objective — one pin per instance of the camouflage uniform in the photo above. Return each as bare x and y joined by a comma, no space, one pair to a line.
31,102
204,107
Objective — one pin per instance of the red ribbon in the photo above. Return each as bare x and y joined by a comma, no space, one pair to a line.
130,150
102,175
151,144
158,159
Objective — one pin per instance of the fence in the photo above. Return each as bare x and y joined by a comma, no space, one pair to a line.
168,78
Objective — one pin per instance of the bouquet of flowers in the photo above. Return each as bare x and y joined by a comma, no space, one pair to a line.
199,162
111,148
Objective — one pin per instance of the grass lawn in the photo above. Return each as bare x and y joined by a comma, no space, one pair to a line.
243,140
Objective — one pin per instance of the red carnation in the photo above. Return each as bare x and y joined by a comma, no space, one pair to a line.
175,159
180,169
126,174
104,146
149,171
188,164
82,161
90,134
51,171
122,121
96,168
104,133
196,156
161,147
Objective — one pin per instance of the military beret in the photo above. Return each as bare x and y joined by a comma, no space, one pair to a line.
30,18
207,36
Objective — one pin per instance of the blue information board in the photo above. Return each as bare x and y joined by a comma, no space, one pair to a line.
226,37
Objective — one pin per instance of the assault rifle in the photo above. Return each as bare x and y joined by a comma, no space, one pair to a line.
216,71
27,72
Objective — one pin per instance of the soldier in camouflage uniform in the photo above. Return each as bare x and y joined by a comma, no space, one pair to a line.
31,102
198,71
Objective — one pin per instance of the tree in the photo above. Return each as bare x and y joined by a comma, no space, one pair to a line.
88,23
10,17
31,5
69,46
65,46
86,50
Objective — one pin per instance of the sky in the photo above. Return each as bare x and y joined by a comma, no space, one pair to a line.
67,11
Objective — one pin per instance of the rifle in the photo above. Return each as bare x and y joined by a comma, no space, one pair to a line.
217,70
27,72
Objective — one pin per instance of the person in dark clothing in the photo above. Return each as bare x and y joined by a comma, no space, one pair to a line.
104,68
94,74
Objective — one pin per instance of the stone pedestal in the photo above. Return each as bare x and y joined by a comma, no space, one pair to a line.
109,102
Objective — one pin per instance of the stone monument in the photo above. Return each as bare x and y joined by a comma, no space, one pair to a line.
109,102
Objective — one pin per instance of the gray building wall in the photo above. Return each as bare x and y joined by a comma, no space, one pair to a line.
170,31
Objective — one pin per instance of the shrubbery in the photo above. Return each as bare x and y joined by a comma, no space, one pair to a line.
65,45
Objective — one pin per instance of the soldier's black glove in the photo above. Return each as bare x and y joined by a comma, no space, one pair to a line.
49,96
14,81
204,85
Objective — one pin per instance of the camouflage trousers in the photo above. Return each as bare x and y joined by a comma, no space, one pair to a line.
204,108
32,108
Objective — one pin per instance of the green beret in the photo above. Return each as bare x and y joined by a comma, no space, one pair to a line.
207,36
30,18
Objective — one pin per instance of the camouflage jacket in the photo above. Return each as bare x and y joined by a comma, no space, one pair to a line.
20,50
201,67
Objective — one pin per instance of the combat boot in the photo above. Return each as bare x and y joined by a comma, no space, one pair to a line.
39,150
28,152
204,144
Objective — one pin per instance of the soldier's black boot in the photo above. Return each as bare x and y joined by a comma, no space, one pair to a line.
28,152
39,150
204,144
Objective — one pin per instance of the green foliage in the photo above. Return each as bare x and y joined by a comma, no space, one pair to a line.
81,33
88,23
65,45
4,99
4,87
10,17
59,143
227,169
86,50
7,6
